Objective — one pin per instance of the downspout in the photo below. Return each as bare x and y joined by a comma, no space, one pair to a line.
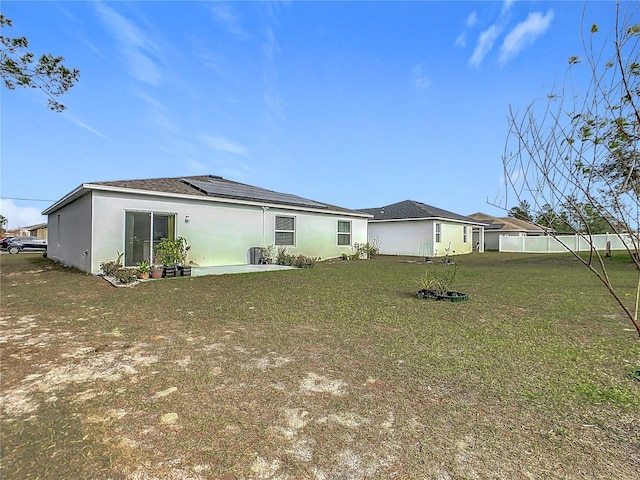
264,211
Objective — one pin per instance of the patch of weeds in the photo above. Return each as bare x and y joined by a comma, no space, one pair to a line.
599,395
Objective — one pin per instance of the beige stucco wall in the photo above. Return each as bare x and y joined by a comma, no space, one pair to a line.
219,233
417,238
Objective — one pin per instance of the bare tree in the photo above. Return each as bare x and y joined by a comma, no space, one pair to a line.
579,146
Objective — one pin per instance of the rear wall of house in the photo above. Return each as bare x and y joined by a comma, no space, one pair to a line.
219,233
418,238
414,238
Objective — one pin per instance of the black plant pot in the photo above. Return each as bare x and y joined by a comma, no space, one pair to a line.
168,271
184,271
443,296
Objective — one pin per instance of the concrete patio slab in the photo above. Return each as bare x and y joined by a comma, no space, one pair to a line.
229,269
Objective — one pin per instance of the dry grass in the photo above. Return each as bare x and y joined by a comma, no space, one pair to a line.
328,373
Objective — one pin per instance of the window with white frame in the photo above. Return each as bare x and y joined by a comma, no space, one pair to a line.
464,234
285,231
344,232
438,232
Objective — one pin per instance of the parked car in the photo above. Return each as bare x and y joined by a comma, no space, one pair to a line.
4,241
25,244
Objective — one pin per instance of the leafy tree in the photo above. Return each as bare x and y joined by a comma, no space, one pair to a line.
588,219
3,222
556,221
577,151
522,211
19,68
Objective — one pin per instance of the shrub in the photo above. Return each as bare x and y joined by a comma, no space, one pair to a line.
300,261
110,267
126,275
284,258
439,277
267,252
365,250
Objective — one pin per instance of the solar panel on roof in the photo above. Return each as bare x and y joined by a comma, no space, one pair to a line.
247,192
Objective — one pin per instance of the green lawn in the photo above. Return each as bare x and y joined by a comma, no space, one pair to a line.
325,373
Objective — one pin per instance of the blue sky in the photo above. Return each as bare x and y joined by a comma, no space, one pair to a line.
357,104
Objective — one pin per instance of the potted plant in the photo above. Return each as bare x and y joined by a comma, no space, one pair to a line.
167,253
182,248
156,271
437,282
267,254
143,269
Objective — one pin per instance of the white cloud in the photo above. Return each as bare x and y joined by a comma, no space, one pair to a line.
20,216
472,19
228,19
525,33
158,113
506,6
461,40
484,45
419,76
134,44
83,125
224,145
273,100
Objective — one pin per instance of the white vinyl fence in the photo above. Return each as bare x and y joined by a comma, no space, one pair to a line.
548,244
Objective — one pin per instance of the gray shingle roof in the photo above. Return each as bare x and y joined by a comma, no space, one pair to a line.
410,209
218,187
210,186
506,223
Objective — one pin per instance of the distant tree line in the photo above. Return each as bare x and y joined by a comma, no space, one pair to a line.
569,217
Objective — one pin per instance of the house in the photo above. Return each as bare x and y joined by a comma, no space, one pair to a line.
39,230
222,220
414,228
495,227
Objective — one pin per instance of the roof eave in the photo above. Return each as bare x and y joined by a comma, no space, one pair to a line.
470,222
84,188
68,198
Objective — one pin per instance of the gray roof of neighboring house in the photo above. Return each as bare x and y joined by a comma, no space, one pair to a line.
410,209
506,223
205,186
36,226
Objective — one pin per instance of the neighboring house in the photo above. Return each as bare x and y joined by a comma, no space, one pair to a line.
222,220
16,232
495,227
39,230
417,229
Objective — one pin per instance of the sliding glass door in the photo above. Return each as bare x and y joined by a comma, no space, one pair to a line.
142,231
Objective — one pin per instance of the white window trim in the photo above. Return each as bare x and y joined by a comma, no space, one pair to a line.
438,232
275,230
350,233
